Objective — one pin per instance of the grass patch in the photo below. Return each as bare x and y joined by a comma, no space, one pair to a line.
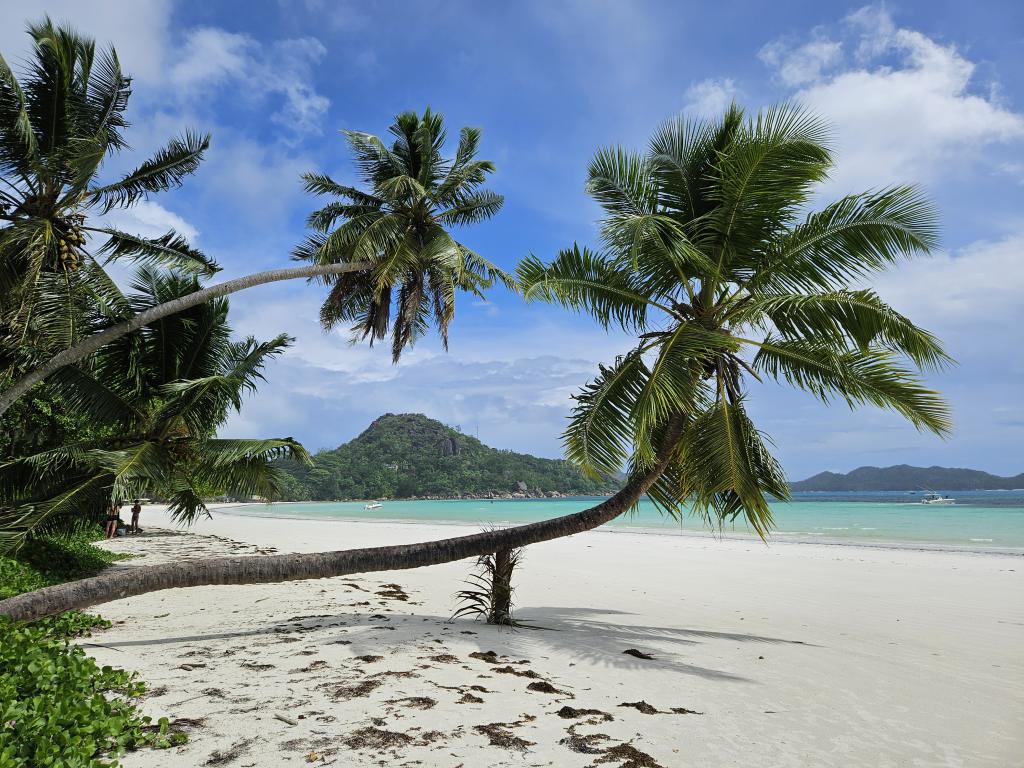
58,707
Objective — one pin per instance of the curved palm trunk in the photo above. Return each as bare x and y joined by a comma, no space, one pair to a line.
92,343
272,569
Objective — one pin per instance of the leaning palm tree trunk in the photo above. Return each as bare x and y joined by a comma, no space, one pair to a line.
320,565
93,343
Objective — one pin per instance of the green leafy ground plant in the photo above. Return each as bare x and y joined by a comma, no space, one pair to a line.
58,706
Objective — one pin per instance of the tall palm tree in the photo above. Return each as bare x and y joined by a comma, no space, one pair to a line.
399,225
708,257
156,399
59,122
391,262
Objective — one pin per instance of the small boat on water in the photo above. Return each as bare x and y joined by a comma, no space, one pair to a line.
373,505
934,498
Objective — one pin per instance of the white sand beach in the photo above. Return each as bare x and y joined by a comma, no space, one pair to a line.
781,655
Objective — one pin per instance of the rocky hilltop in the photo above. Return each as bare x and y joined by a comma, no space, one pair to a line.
411,456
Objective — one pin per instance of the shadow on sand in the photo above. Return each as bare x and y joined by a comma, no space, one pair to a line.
582,634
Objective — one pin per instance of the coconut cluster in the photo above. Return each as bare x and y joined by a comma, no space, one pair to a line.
70,242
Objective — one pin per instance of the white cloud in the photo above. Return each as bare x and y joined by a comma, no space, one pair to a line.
137,29
212,58
803,63
972,298
516,403
150,219
513,382
207,58
256,182
905,109
710,98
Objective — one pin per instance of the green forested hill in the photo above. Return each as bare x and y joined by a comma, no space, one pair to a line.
403,455
903,477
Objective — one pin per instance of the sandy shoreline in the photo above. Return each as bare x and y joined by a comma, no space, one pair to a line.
805,655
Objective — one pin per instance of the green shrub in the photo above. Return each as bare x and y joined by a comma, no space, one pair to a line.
53,560
58,707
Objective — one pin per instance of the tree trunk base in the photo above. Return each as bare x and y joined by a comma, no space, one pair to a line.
501,588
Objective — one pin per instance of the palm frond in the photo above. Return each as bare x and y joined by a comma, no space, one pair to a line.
108,94
16,123
165,170
244,468
847,318
582,280
869,376
601,427
765,176
184,502
472,208
19,522
844,242
674,384
681,162
169,250
86,394
223,452
202,402
621,182
322,184
725,469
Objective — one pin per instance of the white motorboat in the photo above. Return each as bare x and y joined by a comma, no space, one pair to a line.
934,498
373,505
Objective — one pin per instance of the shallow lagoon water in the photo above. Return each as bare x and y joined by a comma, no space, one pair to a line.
981,520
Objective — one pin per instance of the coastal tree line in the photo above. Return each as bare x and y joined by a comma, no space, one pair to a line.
709,255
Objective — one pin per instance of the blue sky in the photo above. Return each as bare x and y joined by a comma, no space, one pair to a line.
929,93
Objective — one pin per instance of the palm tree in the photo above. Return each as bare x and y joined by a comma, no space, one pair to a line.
400,227
391,263
710,260
155,400
58,124
706,255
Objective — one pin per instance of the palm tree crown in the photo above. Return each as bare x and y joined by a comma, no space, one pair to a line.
155,398
399,225
709,257
58,124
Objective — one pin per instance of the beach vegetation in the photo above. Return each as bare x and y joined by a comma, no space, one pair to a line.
58,707
387,252
156,399
60,121
488,593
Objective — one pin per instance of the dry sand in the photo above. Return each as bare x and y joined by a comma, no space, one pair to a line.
782,655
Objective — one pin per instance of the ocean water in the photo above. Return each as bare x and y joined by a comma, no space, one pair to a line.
980,520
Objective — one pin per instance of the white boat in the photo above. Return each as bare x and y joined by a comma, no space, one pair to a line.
373,505
934,498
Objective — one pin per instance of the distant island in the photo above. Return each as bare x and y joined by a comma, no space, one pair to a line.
903,477
411,456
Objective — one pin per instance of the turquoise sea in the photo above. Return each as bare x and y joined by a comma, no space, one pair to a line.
980,520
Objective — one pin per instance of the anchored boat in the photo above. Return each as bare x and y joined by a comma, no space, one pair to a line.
934,498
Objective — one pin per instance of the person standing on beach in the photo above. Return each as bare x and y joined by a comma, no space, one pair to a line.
113,516
136,510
